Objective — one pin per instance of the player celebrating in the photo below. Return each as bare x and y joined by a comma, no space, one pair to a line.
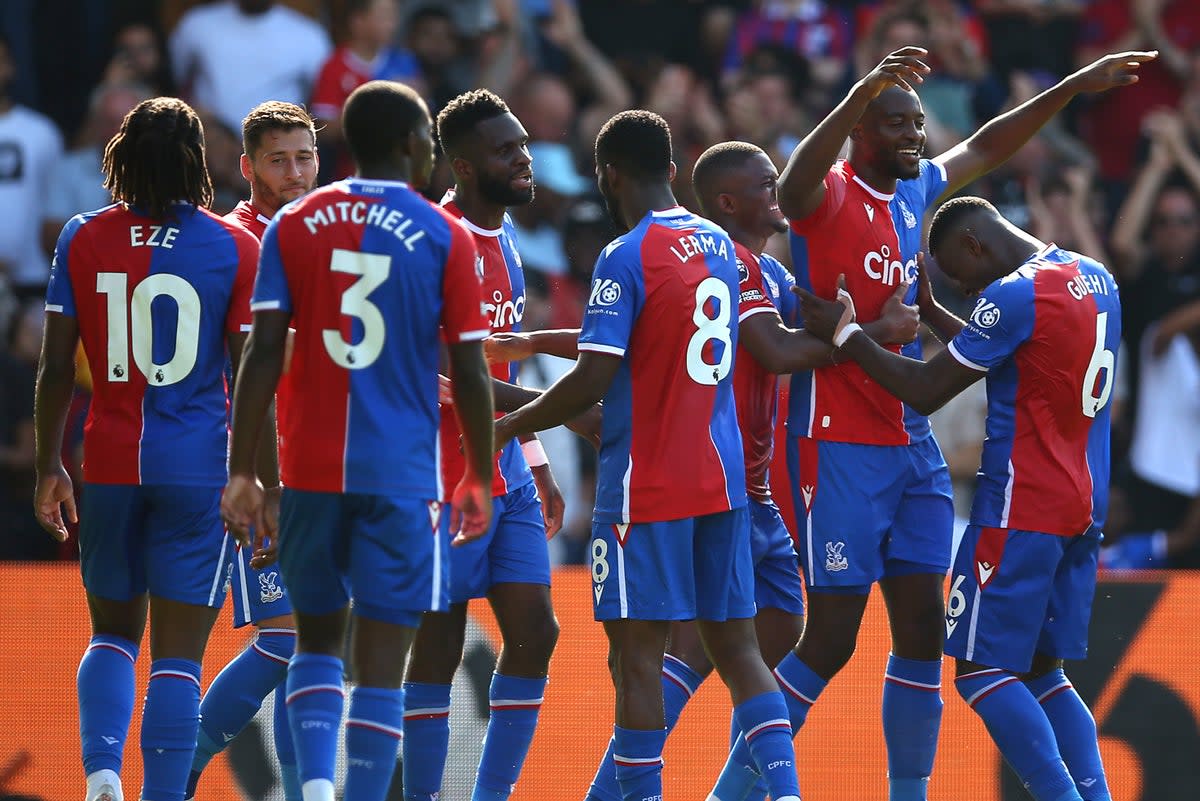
1045,332
510,566
280,163
158,289
867,473
370,272
658,342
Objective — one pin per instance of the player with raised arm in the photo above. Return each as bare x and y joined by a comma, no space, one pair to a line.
279,160
1044,332
373,276
510,565
658,344
158,290
870,485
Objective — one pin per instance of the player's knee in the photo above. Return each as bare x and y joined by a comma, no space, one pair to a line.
1043,665
919,634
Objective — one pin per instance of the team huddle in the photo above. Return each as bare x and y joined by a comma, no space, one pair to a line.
314,402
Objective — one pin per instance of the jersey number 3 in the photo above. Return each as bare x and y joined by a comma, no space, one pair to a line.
135,322
710,329
1102,359
372,269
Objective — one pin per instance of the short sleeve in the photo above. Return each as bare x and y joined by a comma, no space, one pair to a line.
753,294
60,294
271,291
614,301
239,316
1002,320
327,97
835,195
463,318
932,181
787,302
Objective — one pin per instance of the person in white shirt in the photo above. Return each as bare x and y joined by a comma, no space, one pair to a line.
230,56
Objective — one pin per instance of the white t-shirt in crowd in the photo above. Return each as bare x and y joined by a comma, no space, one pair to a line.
229,62
1166,434
30,144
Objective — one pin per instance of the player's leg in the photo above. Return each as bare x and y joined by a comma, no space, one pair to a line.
520,597
724,581
186,565
313,559
398,569
237,692
111,562
436,654
1064,636
917,559
1002,581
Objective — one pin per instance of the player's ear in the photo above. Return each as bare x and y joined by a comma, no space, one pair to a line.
726,203
671,173
247,167
460,167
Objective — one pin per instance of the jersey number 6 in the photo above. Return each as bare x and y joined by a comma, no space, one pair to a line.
1102,359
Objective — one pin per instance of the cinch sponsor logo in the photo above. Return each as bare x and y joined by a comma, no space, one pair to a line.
501,312
880,266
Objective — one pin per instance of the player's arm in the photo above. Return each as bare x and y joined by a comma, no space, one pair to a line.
512,346
572,395
994,143
802,182
471,392
52,401
510,397
945,324
267,459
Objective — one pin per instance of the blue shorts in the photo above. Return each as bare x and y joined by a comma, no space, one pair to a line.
387,554
512,552
866,512
777,582
697,567
257,594
1015,593
167,540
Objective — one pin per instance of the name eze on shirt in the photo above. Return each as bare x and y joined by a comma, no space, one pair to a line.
691,245
1080,286
360,212
159,236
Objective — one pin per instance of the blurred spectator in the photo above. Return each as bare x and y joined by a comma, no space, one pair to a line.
223,152
586,230
1035,35
1064,209
1111,126
20,535
29,147
366,55
140,57
639,36
434,38
230,56
812,28
76,184
592,75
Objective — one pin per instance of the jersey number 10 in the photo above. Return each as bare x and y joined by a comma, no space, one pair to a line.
135,322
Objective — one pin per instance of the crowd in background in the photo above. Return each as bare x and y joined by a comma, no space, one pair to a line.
1116,176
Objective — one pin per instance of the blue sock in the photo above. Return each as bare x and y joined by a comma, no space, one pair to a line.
314,700
237,693
801,686
679,683
1020,730
426,739
912,716
760,790
637,754
284,748
372,741
515,704
764,720
170,723
1075,730
105,686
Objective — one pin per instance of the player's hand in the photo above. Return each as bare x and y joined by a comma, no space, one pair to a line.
507,346
243,506
471,510
1111,71
926,302
588,425
266,546
553,505
902,68
903,321
445,396
53,494
825,319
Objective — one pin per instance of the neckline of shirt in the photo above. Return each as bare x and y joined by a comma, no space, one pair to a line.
872,191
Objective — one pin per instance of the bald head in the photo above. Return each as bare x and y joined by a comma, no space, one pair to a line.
717,167
960,214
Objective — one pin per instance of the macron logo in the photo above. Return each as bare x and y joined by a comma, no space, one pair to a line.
986,569
870,212
110,740
1087,782
807,492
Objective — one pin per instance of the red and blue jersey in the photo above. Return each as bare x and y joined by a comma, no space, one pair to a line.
369,271
765,287
250,218
664,300
1047,335
504,303
155,301
872,238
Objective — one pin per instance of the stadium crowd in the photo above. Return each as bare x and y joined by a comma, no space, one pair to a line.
1117,176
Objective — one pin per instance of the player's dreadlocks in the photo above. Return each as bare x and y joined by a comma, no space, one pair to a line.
157,158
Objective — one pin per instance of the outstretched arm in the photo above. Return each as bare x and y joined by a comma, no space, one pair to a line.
570,396
511,346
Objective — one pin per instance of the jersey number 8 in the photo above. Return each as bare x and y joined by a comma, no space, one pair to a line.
135,322
710,329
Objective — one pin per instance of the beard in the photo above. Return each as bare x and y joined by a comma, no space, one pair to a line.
502,193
